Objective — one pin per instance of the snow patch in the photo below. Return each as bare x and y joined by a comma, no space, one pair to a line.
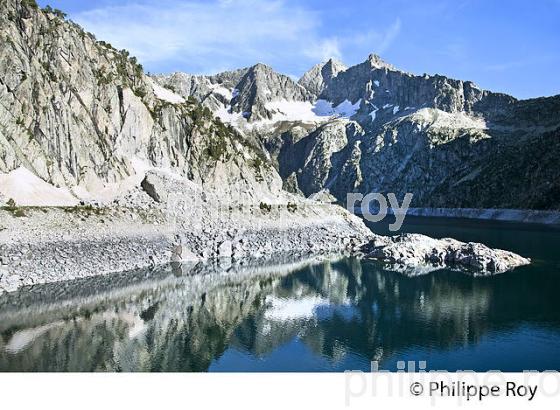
224,91
307,112
220,89
323,108
347,109
292,111
27,189
437,118
396,109
284,110
165,94
373,114
376,83
227,115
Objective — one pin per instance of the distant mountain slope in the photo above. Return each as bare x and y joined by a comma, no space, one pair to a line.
374,128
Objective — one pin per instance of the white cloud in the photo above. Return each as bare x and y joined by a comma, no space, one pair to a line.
324,49
207,34
389,36
210,36
377,41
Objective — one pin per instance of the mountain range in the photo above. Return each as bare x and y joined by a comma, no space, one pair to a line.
83,117
375,128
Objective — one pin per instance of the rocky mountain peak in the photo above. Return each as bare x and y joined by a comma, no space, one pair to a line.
332,67
375,61
261,85
320,75
261,68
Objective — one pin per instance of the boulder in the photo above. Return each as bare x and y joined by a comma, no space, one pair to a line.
8,282
180,253
225,249
154,185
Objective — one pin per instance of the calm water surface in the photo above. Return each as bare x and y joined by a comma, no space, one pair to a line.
304,315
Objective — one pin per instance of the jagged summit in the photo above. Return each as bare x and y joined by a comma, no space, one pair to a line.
375,61
320,75
261,67
261,85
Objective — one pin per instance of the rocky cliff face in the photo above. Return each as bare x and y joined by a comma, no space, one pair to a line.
82,115
374,128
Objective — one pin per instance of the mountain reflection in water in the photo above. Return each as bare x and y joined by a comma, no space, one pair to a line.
310,315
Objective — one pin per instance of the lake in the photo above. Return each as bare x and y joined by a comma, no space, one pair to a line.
330,314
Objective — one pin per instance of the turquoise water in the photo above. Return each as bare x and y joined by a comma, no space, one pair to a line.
303,315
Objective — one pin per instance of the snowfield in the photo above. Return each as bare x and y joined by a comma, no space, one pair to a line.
27,189
165,94
441,119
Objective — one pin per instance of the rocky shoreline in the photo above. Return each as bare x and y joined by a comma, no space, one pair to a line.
44,245
48,245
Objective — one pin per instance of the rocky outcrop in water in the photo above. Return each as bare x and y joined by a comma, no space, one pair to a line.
415,254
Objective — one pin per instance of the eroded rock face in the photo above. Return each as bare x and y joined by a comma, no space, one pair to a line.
78,113
446,141
415,254
160,185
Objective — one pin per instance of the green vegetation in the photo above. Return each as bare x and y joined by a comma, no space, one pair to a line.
201,115
217,147
30,4
103,77
170,88
56,12
16,211
86,210
106,45
139,92
9,40
47,67
266,208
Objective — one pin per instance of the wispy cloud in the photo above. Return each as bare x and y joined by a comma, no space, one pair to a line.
378,41
389,36
324,49
206,36
224,33
374,40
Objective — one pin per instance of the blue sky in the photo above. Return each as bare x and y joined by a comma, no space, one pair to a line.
511,46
